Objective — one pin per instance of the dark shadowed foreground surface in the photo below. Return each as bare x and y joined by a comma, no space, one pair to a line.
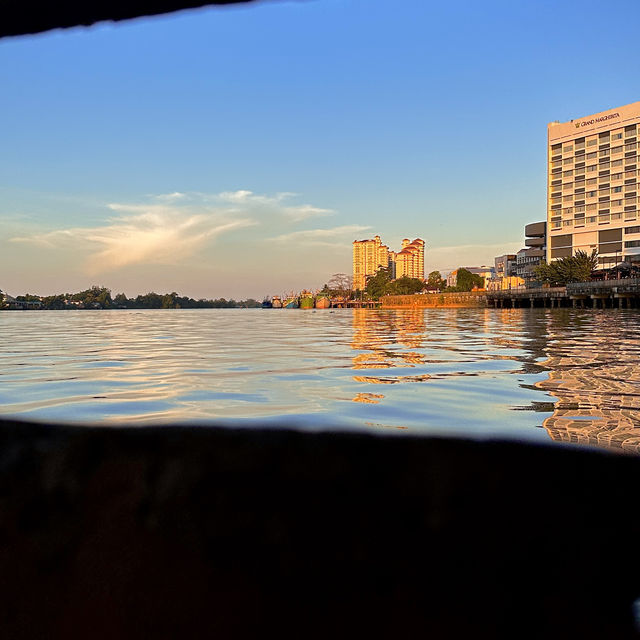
33,16
221,533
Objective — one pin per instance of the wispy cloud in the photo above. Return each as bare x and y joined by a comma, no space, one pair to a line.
168,228
305,211
295,213
171,197
322,237
149,237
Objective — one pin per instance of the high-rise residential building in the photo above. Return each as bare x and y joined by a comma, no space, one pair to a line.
593,186
368,257
371,255
409,261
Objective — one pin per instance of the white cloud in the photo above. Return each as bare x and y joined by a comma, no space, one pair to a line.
171,197
305,211
295,213
322,237
149,237
168,228
243,196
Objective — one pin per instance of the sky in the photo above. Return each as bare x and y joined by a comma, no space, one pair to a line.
238,152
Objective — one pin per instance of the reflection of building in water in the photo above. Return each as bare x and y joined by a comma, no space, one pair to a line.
381,336
368,398
598,387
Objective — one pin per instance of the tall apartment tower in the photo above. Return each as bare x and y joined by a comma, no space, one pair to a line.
593,186
368,257
409,261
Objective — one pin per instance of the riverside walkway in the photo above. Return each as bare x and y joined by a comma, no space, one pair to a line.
620,293
623,293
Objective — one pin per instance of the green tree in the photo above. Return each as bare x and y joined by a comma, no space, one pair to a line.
576,268
377,285
54,302
435,280
466,280
121,300
169,301
405,286
94,297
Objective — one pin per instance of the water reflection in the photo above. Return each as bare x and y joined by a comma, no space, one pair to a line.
445,367
472,372
593,360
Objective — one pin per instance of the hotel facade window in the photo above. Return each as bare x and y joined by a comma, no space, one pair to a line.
596,157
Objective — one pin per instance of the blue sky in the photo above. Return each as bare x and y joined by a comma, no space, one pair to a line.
238,152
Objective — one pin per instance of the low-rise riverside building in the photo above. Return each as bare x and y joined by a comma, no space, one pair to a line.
22,305
534,253
504,274
485,272
505,265
505,283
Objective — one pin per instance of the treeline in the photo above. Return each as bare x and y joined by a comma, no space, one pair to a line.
381,284
100,298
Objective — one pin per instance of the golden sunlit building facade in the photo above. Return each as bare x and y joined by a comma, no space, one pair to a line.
409,261
371,255
593,186
368,257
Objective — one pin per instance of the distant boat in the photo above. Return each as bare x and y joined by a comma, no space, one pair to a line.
306,299
267,303
323,301
291,302
276,303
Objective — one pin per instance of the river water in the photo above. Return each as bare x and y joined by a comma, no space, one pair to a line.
533,374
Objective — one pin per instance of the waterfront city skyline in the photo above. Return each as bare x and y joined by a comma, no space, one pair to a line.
239,152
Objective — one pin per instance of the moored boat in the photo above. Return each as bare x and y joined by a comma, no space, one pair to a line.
267,303
290,302
323,301
276,303
306,299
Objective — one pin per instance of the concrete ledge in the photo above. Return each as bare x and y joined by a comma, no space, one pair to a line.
221,533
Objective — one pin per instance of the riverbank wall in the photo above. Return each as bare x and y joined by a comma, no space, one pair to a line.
471,299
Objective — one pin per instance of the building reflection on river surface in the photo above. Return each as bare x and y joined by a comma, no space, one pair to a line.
589,361
380,336
593,360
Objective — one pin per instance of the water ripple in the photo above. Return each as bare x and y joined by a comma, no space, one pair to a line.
475,372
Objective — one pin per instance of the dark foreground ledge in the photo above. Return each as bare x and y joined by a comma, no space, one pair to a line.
220,533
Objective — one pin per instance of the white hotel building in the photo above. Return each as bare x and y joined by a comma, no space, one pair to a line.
593,197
